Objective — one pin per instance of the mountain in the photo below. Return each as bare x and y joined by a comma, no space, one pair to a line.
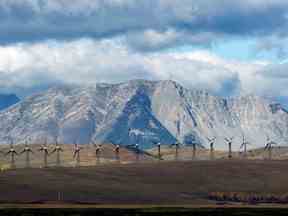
144,112
7,100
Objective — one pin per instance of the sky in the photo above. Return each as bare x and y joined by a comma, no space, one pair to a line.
223,46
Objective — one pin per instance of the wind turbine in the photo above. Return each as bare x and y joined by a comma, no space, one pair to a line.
12,153
177,143
158,144
27,150
44,150
211,142
76,154
58,150
229,142
136,145
117,152
177,146
136,149
269,146
159,150
137,152
244,146
98,152
194,151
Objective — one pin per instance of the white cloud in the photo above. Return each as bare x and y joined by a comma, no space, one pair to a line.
128,39
24,66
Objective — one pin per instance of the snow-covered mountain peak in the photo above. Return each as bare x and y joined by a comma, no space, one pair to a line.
161,111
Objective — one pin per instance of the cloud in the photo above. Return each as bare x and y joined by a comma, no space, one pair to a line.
151,40
274,79
28,67
44,43
157,23
272,45
194,72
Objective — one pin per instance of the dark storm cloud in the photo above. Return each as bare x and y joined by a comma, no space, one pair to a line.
45,43
30,20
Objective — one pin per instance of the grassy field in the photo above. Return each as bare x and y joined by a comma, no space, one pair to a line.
163,183
146,188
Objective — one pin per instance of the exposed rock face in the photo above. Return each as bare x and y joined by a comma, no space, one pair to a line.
142,112
7,100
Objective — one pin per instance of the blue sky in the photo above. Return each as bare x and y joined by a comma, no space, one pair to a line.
237,49
227,47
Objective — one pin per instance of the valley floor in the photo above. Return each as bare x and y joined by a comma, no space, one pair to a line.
156,183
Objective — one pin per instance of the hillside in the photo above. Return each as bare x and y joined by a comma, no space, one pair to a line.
142,112
7,100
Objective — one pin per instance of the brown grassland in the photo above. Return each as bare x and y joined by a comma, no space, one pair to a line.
163,183
147,184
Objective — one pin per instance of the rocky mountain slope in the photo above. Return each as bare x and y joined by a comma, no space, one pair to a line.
7,100
142,112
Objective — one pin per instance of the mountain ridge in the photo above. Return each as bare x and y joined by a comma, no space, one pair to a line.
156,111
7,100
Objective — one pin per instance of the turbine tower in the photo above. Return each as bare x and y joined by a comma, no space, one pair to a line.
136,149
44,150
159,150
194,146
269,146
158,144
229,142
12,152
211,142
136,145
177,146
117,152
137,152
244,145
27,150
98,153
58,150
76,154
